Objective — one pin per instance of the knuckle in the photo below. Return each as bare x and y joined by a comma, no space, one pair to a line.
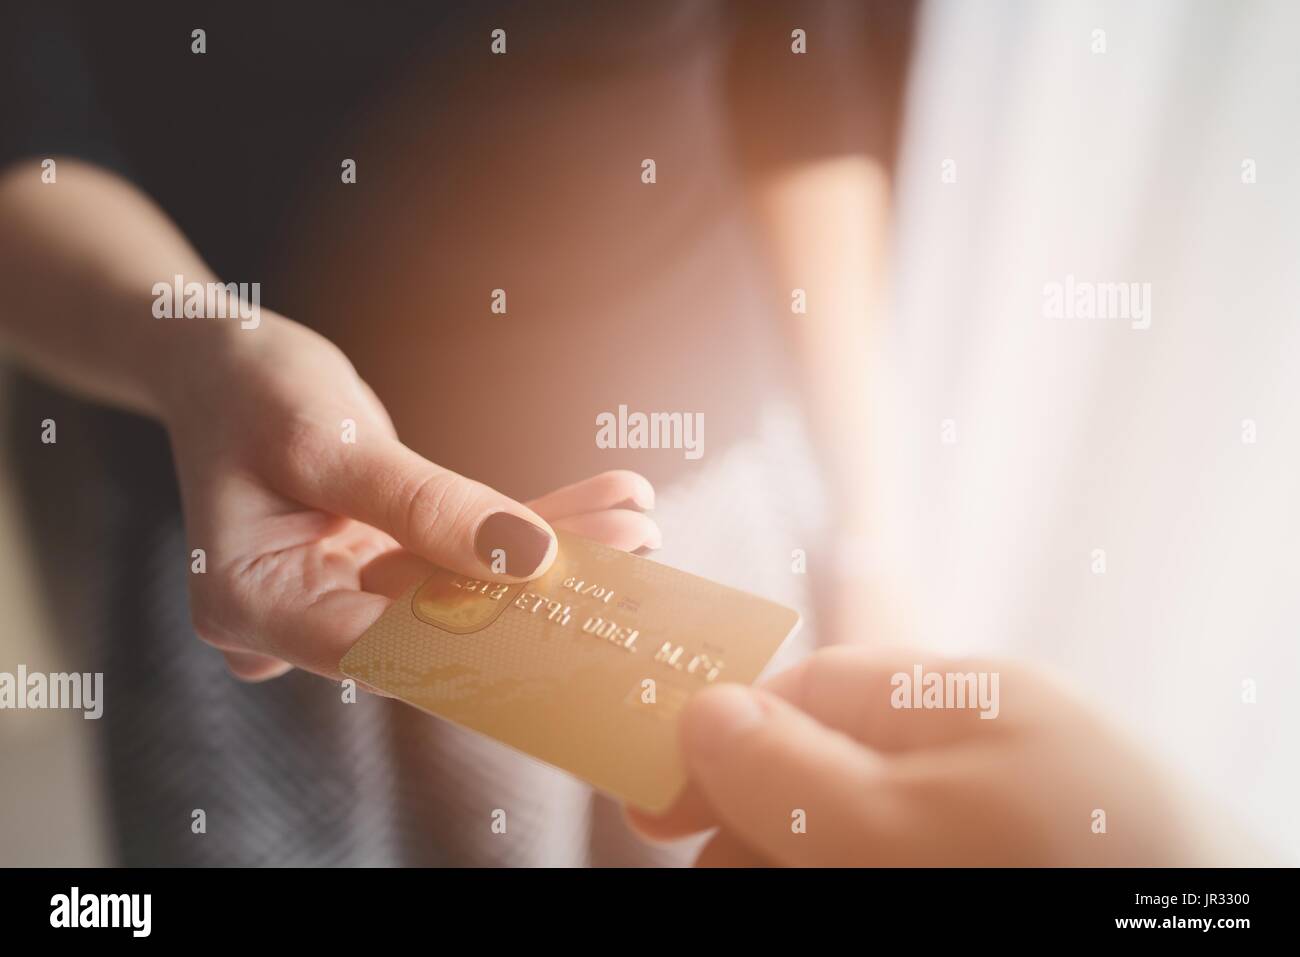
210,611
431,500
626,478
206,627
237,667
620,485
253,669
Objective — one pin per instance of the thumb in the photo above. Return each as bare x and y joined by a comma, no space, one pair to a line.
791,789
448,519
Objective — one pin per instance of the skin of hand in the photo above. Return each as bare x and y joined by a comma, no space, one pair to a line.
879,786
307,536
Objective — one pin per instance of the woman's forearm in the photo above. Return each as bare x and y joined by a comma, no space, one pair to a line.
826,223
78,262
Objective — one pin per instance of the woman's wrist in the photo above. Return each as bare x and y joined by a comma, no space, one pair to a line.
199,359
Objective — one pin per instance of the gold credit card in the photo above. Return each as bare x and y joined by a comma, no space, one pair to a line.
585,668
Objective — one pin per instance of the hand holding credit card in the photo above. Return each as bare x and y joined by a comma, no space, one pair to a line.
584,668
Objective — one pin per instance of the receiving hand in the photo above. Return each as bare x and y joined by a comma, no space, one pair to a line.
818,768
